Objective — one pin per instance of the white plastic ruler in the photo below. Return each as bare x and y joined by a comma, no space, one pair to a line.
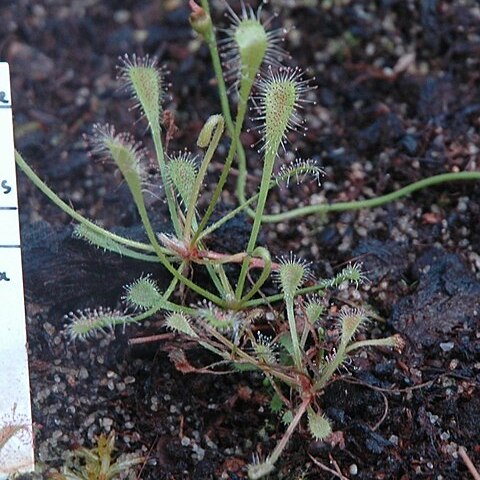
16,439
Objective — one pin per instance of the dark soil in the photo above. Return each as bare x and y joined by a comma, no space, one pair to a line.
398,100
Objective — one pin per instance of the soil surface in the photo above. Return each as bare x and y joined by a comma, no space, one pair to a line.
398,99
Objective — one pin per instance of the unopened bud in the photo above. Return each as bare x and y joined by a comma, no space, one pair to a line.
200,20
205,136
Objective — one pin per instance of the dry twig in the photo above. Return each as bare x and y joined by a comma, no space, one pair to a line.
469,464
337,472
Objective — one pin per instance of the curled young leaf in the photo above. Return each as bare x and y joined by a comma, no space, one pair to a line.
205,136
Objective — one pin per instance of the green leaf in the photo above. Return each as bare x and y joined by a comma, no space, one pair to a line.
351,273
86,323
144,79
205,136
245,367
291,275
318,425
84,232
179,322
265,350
285,341
287,417
252,41
249,44
143,294
182,174
276,403
221,320
299,169
126,153
314,308
350,320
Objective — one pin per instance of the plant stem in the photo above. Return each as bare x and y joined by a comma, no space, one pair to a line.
222,91
217,191
231,214
267,268
226,218
331,368
35,179
248,359
234,129
199,180
291,428
137,255
373,342
172,206
292,326
242,107
372,202
270,154
153,240
145,220
217,67
279,296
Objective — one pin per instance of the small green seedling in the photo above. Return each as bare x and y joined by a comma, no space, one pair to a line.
97,463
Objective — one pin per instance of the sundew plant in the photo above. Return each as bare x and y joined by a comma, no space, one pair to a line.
301,350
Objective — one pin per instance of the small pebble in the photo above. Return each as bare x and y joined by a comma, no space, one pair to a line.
200,452
393,439
121,16
107,423
433,418
49,328
89,420
447,346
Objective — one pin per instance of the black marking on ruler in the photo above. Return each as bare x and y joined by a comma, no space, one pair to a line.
8,208
2,97
10,246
